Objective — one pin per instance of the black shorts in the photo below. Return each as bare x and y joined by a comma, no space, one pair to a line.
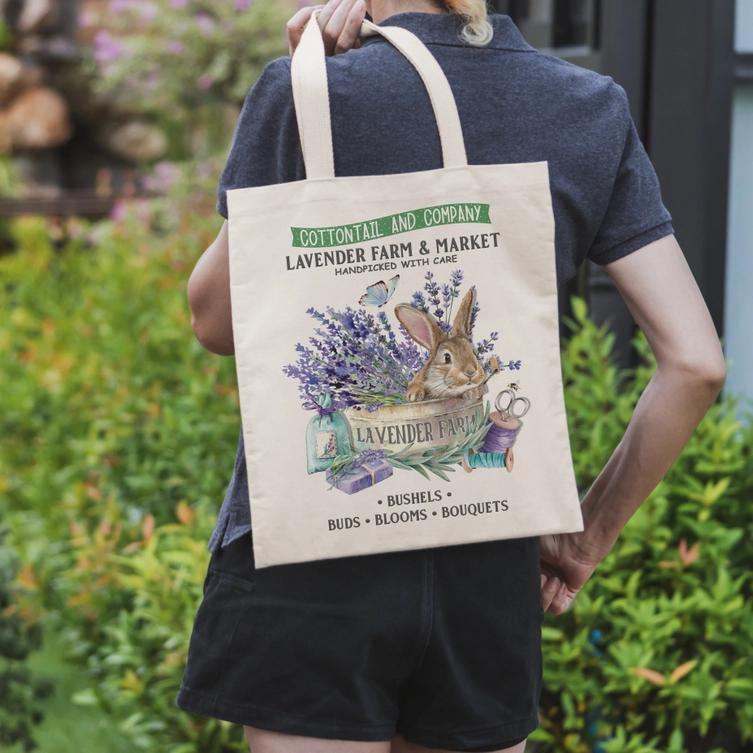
442,645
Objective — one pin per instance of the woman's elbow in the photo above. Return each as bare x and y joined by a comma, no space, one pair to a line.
714,375
214,335
708,373
210,338
210,324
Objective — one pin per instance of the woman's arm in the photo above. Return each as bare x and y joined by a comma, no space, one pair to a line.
659,289
209,297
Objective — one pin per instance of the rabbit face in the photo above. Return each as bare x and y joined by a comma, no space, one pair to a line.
455,369
452,367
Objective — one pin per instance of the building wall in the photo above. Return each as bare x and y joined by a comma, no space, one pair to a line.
738,332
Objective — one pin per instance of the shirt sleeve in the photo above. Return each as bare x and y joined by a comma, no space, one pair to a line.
265,148
635,213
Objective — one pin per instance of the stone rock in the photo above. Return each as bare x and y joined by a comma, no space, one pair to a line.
36,119
35,15
137,141
11,75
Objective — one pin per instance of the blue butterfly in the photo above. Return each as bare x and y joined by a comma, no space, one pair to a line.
379,293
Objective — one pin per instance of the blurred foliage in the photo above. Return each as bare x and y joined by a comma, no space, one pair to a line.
655,655
101,371
180,61
5,36
20,690
8,186
8,176
146,584
117,439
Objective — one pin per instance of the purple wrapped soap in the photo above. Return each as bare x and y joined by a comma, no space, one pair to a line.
361,476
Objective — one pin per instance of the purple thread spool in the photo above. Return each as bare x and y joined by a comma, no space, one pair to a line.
506,422
499,439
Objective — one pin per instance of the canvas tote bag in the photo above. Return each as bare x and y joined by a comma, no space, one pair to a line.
397,344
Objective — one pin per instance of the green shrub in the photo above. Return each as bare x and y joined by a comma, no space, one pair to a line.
5,36
138,600
113,420
109,405
655,654
20,691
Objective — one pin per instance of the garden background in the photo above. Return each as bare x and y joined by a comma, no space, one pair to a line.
118,431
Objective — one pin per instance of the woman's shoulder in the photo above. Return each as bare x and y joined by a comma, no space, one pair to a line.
544,73
534,83
273,82
573,81
531,75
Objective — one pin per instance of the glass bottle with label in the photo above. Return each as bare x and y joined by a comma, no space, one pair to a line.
327,436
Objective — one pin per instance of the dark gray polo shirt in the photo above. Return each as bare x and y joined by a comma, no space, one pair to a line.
516,104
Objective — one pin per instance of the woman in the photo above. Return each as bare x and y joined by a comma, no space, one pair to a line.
439,649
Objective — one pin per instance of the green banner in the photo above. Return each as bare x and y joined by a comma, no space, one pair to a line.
392,224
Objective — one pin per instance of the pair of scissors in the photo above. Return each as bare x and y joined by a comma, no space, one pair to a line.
508,410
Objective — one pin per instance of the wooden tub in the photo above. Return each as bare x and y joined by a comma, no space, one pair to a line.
428,423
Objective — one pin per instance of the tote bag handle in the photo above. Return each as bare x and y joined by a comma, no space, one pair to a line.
311,96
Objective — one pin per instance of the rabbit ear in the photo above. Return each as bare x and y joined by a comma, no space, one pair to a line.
422,327
461,325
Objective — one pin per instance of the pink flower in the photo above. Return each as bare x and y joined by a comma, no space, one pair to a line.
107,49
204,169
175,47
87,18
164,177
205,23
242,5
145,9
178,4
131,209
119,211
148,11
205,82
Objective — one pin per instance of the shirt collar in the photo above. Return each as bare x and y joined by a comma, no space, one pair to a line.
444,28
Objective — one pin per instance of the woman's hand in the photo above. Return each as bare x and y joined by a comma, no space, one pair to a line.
340,21
566,564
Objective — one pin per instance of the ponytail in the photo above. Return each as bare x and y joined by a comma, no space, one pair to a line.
477,29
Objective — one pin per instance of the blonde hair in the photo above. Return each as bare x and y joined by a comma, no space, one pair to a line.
477,29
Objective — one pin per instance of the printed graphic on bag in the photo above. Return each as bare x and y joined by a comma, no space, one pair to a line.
392,333
402,386
398,379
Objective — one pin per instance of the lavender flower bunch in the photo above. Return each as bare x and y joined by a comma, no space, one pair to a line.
356,357
361,360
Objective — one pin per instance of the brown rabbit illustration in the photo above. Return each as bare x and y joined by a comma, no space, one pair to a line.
452,367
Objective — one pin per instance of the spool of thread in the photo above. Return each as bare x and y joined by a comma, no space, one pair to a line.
496,452
473,460
485,459
499,438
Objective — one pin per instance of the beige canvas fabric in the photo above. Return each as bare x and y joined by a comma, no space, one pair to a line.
457,446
